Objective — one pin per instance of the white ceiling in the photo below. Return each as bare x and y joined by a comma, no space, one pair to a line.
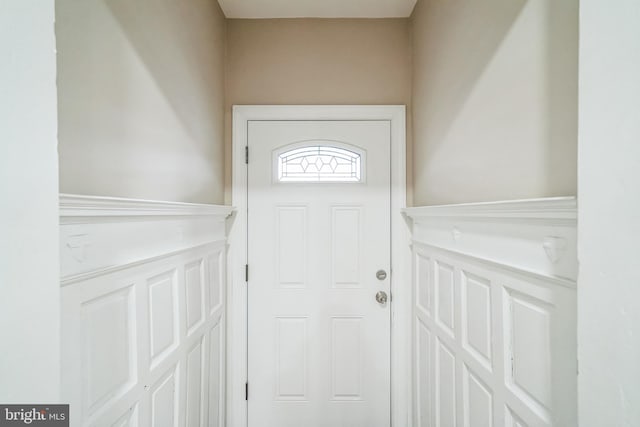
317,8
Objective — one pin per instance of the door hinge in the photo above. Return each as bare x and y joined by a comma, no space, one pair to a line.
246,391
246,273
246,154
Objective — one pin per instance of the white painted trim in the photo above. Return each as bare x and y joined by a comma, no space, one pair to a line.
555,209
81,277
400,249
110,244
73,207
99,235
555,354
536,236
527,247
497,266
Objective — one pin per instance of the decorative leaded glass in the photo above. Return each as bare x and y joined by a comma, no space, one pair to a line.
319,164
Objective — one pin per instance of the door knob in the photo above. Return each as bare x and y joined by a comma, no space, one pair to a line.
381,297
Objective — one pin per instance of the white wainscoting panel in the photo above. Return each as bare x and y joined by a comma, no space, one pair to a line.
494,339
142,312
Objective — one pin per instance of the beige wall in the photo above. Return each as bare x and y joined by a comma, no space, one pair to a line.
494,99
312,61
494,92
141,89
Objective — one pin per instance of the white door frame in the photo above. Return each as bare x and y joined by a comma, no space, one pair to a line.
400,250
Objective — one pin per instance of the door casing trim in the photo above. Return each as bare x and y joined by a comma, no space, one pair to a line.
401,288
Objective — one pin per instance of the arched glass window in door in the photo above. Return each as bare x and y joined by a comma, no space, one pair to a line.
319,163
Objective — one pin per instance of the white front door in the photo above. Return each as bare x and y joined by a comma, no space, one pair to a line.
318,255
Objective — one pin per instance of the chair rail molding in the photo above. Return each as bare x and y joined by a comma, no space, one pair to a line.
99,234
143,296
537,236
78,208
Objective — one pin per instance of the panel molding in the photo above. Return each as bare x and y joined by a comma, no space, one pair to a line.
124,355
151,253
345,252
472,417
423,375
346,352
170,378
446,388
514,338
288,359
172,323
494,265
484,358
292,249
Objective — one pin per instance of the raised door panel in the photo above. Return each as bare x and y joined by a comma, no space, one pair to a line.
291,232
445,297
216,375
110,348
291,358
477,327
423,282
165,400
346,247
346,358
195,384
424,377
216,279
194,295
163,316
528,324
445,396
477,400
